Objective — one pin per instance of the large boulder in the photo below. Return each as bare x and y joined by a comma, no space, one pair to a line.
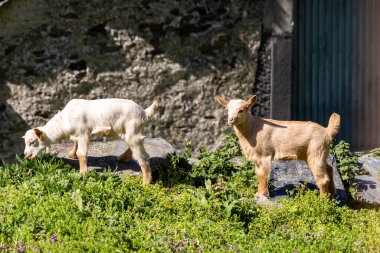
103,155
368,185
285,175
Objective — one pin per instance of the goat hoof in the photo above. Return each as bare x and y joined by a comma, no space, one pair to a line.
123,159
147,180
265,194
72,156
126,156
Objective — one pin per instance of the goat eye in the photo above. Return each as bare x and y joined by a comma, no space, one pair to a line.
240,111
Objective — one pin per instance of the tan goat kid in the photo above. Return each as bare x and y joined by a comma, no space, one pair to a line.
263,140
82,119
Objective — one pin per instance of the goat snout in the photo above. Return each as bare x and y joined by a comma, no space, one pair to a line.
231,121
28,156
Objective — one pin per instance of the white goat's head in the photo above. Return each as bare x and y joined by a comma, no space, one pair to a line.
238,109
35,141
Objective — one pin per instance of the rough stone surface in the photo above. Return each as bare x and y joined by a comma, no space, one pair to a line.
278,16
180,53
104,155
285,175
368,186
263,78
264,201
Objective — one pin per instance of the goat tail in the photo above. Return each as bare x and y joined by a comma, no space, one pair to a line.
151,110
334,125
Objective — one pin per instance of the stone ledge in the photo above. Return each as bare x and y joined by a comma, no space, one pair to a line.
104,155
368,186
285,175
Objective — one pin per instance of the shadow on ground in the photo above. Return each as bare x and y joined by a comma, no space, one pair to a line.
111,162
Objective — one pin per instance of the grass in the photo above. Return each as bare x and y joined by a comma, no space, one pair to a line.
47,206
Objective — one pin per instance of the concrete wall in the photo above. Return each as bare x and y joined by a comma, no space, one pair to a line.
180,53
278,26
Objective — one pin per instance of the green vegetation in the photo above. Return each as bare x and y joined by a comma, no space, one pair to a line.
47,206
374,153
347,165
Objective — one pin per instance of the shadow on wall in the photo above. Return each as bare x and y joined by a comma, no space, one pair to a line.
202,36
145,47
12,127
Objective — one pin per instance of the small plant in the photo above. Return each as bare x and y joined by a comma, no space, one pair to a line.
178,170
375,153
219,163
347,164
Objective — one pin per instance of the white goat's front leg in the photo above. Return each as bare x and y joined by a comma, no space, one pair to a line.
82,153
126,156
263,168
142,158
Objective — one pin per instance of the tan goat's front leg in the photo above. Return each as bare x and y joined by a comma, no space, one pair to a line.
262,171
82,154
126,156
73,151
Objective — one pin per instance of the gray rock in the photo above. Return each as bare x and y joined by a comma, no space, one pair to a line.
264,201
368,186
285,175
104,155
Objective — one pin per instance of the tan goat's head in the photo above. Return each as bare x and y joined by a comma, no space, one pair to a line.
238,109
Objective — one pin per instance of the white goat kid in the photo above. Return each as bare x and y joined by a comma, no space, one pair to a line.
264,140
82,119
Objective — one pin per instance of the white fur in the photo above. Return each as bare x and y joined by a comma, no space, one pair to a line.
82,119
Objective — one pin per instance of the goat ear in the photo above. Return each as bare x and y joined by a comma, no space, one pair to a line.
221,101
38,132
251,101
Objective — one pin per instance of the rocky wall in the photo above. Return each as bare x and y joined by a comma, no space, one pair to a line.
181,53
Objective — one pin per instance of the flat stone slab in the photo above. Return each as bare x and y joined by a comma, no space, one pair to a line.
104,155
285,175
368,186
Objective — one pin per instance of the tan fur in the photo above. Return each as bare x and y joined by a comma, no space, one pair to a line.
126,156
263,140
147,173
73,151
82,164
333,126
